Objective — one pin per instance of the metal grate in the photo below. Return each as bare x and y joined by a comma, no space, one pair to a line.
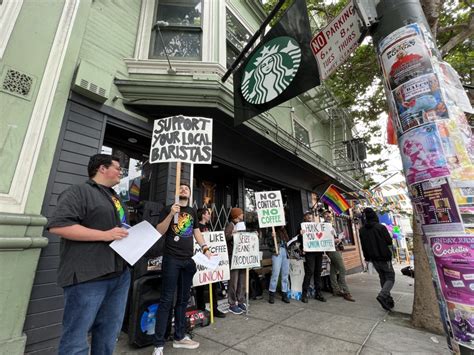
220,216
17,83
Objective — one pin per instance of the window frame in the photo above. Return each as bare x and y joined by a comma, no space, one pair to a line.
297,121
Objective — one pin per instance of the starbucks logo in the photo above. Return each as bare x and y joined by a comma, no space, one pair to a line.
271,70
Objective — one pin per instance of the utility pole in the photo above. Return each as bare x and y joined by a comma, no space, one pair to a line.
413,70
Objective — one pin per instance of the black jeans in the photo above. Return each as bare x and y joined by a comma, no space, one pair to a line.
386,275
177,274
313,266
201,301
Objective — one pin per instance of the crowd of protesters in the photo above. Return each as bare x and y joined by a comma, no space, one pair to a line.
96,280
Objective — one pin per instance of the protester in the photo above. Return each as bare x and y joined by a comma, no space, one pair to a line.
204,216
312,267
280,262
178,269
338,284
236,286
95,279
376,243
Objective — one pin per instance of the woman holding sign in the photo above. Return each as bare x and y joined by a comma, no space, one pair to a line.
280,262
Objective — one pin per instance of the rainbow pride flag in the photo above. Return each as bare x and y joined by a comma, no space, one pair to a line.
333,198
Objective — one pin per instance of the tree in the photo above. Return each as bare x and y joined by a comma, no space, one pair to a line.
358,87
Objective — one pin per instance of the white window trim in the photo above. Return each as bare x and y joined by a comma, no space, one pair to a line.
294,119
9,11
15,200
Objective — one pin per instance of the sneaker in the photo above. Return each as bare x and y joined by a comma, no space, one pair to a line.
235,309
384,302
243,307
158,351
185,343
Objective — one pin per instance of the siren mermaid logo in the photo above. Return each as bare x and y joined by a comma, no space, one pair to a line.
271,70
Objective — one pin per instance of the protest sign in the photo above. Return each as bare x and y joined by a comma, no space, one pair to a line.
434,203
218,247
182,139
269,209
246,250
404,55
422,154
318,237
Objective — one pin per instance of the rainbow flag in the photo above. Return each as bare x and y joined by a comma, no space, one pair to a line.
333,198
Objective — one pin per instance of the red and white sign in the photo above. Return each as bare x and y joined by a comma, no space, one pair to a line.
333,45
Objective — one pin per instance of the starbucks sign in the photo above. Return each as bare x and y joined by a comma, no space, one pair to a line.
271,70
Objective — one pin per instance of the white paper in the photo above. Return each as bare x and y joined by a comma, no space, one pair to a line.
211,264
240,227
141,237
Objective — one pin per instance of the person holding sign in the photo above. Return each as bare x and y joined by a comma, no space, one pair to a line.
204,217
178,269
338,284
237,277
280,262
312,266
95,279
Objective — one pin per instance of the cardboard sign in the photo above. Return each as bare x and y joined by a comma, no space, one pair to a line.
182,139
246,250
318,237
218,246
333,45
270,209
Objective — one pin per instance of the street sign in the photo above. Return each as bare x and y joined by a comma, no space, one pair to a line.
334,43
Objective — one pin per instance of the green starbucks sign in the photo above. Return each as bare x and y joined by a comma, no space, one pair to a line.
270,70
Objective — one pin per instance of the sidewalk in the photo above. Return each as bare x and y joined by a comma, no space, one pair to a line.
336,326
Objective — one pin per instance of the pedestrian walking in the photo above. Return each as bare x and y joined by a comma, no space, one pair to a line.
376,246
94,278
178,269
280,264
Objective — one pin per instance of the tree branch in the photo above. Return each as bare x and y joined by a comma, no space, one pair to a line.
459,38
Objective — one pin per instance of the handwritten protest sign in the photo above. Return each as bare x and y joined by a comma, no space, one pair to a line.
218,247
318,237
182,139
269,209
246,251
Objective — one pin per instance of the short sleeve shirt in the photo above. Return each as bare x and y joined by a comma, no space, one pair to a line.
179,237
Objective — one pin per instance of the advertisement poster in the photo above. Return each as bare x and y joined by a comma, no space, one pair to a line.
435,207
461,317
182,139
269,209
246,251
218,247
455,150
452,85
318,237
454,258
404,56
419,101
422,154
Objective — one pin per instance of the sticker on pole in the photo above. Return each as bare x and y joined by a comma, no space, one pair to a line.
182,139
334,44
270,209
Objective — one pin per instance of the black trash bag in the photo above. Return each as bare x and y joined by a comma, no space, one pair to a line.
408,271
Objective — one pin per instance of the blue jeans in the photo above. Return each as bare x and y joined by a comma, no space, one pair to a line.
176,274
97,307
280,262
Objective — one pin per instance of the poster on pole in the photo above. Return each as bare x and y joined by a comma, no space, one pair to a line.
334,43
422,154
246,251
435,206
182,139
318,237
452,85
269,209
404,55
218,247
461,317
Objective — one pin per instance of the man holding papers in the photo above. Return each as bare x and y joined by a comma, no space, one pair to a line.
95,279
178,268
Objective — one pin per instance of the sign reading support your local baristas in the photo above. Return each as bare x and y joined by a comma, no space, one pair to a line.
182,139
333,45
269,209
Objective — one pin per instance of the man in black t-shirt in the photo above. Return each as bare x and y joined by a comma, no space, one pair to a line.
178,268
95,279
